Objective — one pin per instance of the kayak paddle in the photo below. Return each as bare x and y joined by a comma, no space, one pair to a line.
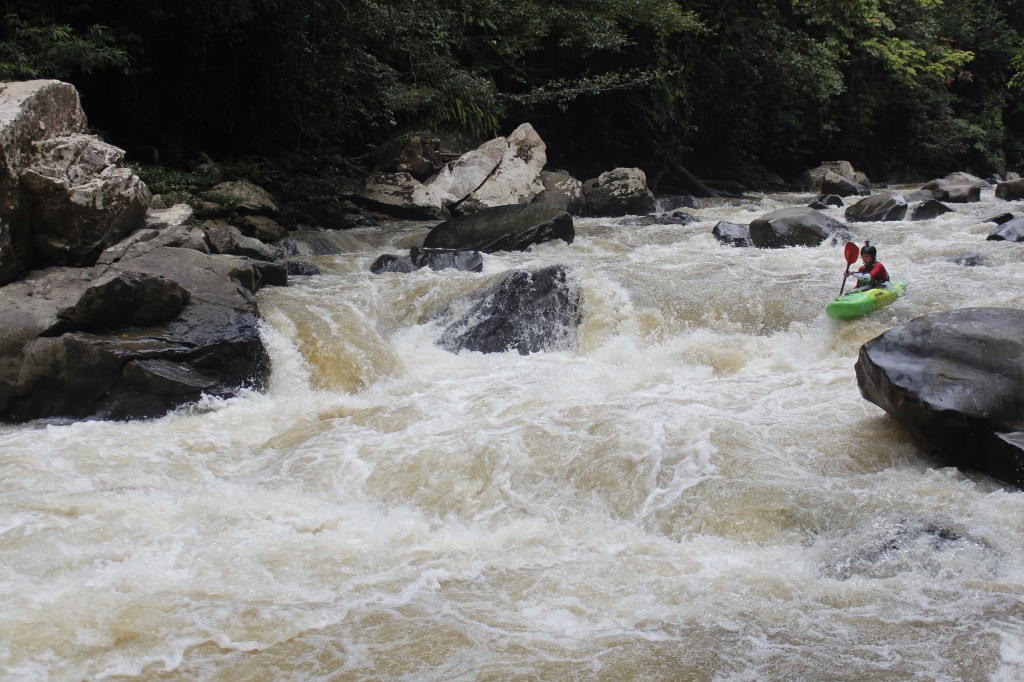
850,252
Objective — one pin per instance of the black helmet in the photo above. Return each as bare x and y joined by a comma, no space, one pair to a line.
868,249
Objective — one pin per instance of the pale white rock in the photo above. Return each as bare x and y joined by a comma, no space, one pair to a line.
403,196
460,178
516,180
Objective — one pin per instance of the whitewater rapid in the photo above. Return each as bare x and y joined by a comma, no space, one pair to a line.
696,492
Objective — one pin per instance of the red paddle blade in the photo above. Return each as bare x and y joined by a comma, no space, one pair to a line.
851,252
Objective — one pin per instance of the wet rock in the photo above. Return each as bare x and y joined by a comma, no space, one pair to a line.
402,196
562,191
823,201
671,203
229,240
418,154
792,227
833,183
961,178
529,312
1010,231
299,268
392,263
503,228
126,299
516,179
814,177
929,210
329,214
466,261
242,197
460,178
213,346
956,381
619,192
1012,190
677,217
270,274
968,259
732,234
999,219
260,227
953,192
877,208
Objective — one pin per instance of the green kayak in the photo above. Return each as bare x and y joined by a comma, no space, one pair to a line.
858,302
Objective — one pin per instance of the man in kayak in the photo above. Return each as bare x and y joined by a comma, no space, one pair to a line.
872,274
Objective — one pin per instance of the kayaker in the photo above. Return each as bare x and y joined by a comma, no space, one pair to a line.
872,274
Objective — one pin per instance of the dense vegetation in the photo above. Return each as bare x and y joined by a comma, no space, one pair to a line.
731,87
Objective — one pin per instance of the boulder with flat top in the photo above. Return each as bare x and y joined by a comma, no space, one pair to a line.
502,228
795,226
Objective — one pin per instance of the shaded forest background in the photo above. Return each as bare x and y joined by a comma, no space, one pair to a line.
731,88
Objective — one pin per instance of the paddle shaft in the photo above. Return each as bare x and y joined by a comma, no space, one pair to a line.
845,275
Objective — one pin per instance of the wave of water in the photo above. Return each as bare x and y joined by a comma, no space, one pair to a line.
696,492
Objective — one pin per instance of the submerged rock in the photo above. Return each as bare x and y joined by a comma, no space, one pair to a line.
529,312
392,263
465,261
956,381
502,228
796,226
968,259
674,218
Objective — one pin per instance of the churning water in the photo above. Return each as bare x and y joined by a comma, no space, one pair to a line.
696,492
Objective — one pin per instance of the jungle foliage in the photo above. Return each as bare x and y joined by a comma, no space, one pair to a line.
732,87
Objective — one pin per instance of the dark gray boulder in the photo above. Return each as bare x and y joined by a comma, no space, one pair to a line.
999,219
562,191
825,200
833,183
466,261
796,226
59,356
929,210
126,299
676,217
1012,190
417,153
392,263
300,268
732,234
502,228
877,208
1011,231
528,312
672,202
954,191
956,381
229,240
968,259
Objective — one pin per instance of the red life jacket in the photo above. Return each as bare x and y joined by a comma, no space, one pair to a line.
878,274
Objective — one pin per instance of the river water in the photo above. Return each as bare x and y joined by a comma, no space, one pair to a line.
695,492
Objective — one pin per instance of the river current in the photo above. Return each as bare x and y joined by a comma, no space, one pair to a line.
696,491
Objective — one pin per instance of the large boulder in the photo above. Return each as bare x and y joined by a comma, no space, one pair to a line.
956,381
1010,231
64,195
516,180
529,312
814,177
877,208
1012,190
796,226
402,196
618,192
732,234
562,191
418,154
70,344
929,210
823,201
502,228
833,183
460,178
229,240
954,191
961,178
242,197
